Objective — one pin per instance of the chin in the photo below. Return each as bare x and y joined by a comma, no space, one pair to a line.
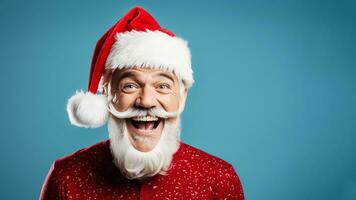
142,149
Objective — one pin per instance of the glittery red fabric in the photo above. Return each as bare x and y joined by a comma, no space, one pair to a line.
90,174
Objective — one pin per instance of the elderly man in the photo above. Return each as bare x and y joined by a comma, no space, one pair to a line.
143,72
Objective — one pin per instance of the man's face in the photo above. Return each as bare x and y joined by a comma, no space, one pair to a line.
145,89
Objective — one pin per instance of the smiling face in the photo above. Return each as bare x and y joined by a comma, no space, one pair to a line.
145,89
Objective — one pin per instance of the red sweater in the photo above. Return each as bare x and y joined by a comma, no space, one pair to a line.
90,174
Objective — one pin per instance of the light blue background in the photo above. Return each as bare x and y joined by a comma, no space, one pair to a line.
275,91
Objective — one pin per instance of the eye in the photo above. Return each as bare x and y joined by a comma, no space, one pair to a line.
130,87
163,87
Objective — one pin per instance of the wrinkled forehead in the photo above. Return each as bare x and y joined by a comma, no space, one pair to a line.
142,73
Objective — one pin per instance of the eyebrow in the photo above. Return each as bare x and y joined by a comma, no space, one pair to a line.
128,74
165,75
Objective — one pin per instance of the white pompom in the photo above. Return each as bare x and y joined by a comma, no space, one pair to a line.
87,110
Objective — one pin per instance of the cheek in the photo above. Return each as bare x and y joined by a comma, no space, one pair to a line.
125,101
170,102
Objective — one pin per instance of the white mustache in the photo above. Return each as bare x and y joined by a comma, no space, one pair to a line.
136,112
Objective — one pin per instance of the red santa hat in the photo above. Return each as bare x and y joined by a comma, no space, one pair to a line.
136,40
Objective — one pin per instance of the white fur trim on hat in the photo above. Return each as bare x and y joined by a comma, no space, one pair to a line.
88,110
151,49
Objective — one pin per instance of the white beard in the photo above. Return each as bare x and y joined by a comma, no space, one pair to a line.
135,164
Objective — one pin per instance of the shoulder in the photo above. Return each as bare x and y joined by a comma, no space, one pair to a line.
194,160
219,174
89,156
202,157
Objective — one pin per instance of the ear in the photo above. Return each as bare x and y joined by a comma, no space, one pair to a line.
106,90
106,83
183,98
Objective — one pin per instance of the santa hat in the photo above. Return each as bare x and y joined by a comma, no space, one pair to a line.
136,40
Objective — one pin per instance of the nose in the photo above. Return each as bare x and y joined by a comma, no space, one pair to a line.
146,99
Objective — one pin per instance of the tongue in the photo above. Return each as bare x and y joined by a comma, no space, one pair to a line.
146,125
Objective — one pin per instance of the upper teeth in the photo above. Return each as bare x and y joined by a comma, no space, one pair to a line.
145,118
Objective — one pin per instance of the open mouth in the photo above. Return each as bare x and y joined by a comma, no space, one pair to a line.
145,122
